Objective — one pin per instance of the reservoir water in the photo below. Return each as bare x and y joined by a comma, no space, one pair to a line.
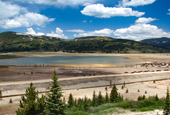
66,60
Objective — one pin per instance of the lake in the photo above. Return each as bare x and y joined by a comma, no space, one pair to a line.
66,60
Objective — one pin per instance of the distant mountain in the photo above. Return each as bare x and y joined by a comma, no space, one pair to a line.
162,42
12,41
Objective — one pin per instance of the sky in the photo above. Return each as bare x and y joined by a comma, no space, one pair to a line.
68,19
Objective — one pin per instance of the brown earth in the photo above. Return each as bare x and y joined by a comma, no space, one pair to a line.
14,74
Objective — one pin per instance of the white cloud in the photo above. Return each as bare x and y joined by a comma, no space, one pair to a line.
8,10
169,12
84,21
140,31
135,2
59,34
103,32
14,16
76,30
144,20
32,32
59,31
25,20
100,11
60,3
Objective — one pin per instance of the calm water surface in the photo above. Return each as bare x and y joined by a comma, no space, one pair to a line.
65,60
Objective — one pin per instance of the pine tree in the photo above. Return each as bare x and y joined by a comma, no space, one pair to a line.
80,104
54,103
70,100
75,102
30,103
113,94
156,97
120,98
90,102
41,104
100,99
86,104
94,100
107,98
167,104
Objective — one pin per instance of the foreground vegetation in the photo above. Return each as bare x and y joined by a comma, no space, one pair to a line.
54,103
11,42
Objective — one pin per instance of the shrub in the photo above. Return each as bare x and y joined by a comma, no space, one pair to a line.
127,91
10,101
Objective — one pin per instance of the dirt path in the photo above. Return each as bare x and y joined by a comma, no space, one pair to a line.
74,78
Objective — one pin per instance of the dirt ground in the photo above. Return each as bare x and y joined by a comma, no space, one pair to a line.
11,74
159,87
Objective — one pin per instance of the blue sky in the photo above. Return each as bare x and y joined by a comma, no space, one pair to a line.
126,19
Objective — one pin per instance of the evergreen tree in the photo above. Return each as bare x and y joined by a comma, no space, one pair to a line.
90,102
75,102
30,104
100,99
70,100
41,104
167,104
80,104
54,103
94,99
156,97
120,98
113,94
86,104
107,98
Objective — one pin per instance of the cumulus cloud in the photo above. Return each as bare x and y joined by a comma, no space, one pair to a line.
60,3
103,32
140,31
100,11
144,20
25,20
169,12
8,10
135,2
76,30
14,16
32,32
59,34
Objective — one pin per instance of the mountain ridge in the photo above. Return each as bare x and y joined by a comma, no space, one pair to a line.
10,42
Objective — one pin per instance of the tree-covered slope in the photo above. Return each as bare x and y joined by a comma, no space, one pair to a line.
162,42
10,41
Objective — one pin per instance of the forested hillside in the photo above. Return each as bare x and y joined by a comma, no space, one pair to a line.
162,42
10,42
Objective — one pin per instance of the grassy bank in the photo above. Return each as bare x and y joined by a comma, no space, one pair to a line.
7,56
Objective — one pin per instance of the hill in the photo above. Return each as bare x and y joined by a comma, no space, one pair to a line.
11,41
162,42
